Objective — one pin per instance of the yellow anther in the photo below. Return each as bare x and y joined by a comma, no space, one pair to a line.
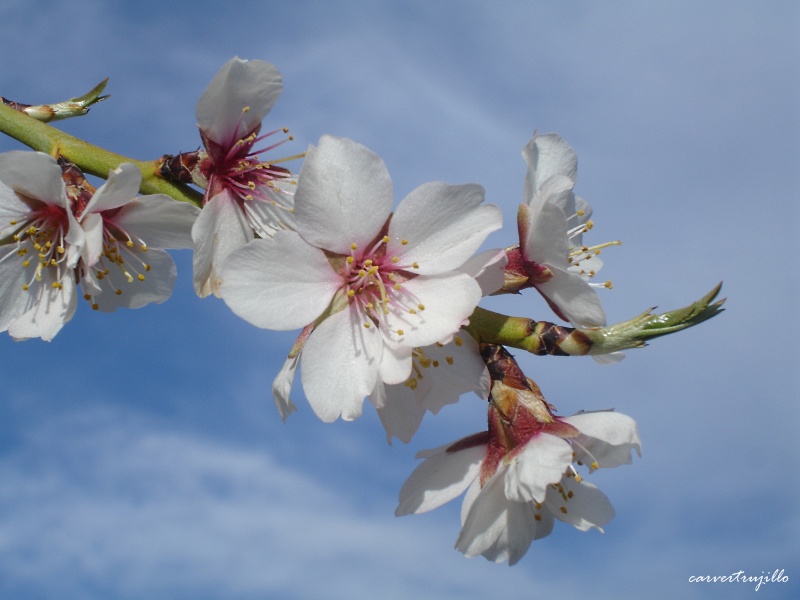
595,465
608,285
350,260
449,360
458,341
95,306
411,383
397,287
118,292
140,277
25,287
129,244
350,293
580,213
435,363
26,263
589,225
395,260
420,306
564,509
353,246
366,325
362,273
385,239
147,267
57,285
400,332
245,109
570,494
412,311
373,270
415,265
404,242
578,478
61,250
12,222
368,262
87,297
251,185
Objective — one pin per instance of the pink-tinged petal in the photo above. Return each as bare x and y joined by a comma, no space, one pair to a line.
399,412
121,187
51,308
580,504
13,299
34,175
130,284
238,99
282,387
607,438
548,155
158,221
344,195
278,283
441,477
340,365
447,301
443,225
546,241
488,269
219,230
575,299
541,463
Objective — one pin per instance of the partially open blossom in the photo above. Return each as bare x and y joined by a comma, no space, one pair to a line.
108,241
551,256
371,284
245,197
520,475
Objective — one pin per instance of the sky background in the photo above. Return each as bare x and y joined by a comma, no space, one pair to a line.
141,455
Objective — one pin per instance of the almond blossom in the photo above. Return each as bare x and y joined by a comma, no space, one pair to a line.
520,475
551,256
245,197
368,285
51,240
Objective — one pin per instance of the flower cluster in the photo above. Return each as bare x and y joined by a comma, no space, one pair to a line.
386,299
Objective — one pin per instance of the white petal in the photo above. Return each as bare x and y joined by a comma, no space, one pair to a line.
13,299
121,187
91,246
546,241
282,387
50,308
399,412
443,226
340,365
580,504
575,299
542,462
219,230
606,437
13,211
278,283
441,477
128,284
35,175
488,269
266,218
344,195
548,155
158,221
608,359
495,527
395,365
448,301
253,85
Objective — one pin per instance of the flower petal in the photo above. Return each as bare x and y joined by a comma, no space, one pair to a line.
13,298
574,298
344,195
34,175
219,230
441,477
158,221
606,437
50,308
13,211
238,99
442,225
340,365
546,242
541,463
580,504
548,155
398,410
282,387
447,300
120,188
488,269
278,283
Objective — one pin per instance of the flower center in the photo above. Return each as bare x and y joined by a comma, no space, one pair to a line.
374,280
41,241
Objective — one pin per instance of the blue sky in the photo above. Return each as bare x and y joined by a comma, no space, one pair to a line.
140,452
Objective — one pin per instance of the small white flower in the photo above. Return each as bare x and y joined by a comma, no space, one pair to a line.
49,242
372,283
515,494
244,196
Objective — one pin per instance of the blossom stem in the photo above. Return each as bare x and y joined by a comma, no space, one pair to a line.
89,158
542,337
